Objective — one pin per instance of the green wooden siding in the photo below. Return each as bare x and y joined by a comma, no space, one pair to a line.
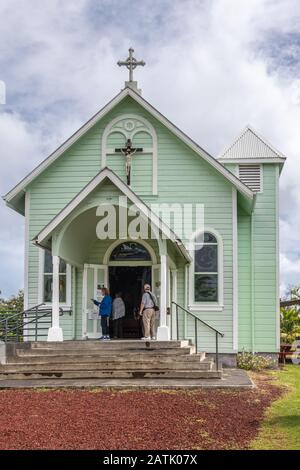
244,281
264,259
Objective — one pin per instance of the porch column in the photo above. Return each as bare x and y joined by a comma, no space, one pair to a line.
173,307
55,332
163,331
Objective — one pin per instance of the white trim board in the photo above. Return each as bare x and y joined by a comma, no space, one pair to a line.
250,160
26,251
162,119
235,290
44,234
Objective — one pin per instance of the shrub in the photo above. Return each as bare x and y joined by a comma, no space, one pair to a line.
249,361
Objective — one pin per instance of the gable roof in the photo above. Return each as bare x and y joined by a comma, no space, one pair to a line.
106,173
19,189
251,145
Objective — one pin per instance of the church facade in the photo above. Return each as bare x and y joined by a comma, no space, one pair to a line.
129,199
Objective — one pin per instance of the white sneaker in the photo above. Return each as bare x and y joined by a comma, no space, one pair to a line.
153,337
106,338
146,338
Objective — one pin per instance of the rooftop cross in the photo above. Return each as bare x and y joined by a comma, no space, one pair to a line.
131,63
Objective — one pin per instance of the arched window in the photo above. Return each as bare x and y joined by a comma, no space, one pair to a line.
206,269
143,164
130,251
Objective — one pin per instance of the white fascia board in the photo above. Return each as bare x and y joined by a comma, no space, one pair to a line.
252,160
107,173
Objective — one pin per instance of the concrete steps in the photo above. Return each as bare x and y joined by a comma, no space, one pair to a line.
109,373
112,344
89,361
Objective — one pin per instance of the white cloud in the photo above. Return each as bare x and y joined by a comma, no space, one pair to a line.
208,70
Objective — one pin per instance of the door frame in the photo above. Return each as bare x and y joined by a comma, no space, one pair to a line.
95,334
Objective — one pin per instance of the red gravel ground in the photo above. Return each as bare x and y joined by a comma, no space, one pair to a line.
143,419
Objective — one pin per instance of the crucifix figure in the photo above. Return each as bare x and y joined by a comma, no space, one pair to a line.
128,151
131,63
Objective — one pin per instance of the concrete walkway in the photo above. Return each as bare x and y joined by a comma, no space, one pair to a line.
231,379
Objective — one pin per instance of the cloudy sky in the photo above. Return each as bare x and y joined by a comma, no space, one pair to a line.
213,66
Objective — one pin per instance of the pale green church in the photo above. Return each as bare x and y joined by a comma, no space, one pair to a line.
128,199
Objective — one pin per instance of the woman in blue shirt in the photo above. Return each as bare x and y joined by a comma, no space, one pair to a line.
105,309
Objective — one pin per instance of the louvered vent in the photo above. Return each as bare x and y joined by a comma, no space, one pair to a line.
251,176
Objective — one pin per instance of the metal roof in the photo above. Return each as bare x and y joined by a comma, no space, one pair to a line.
249,144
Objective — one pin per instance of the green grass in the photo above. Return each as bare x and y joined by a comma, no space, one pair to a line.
281,427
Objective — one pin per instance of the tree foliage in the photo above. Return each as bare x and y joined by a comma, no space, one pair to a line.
13,304
290,318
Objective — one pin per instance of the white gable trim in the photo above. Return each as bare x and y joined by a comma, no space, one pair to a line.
148,107
107,173
252,160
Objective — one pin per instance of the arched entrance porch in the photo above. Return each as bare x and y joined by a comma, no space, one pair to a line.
126,267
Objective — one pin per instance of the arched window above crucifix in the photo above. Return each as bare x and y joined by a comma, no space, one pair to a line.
129,148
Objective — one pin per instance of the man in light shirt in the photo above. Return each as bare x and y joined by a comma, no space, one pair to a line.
147,311
118,313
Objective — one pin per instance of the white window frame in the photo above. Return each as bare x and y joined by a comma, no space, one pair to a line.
207,306
68,302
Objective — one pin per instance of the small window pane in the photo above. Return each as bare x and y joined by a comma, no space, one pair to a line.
48,288
207,238
63,288
206,259
62,266
130,251
48,267
206,287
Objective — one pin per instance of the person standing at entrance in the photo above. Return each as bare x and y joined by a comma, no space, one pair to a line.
118,312
147,311
105,310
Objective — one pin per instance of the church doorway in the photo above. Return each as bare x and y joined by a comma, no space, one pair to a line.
129,281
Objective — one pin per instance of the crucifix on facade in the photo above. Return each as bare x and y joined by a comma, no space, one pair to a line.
128,151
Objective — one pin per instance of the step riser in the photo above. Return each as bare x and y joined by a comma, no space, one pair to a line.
149,359
105,366
137,374
89,356
114,344
102,352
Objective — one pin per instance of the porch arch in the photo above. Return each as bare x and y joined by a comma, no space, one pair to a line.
106,257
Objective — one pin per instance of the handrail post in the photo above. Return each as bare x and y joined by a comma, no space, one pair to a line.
217,352
6,328
177,324
196,336
36,323
17,330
